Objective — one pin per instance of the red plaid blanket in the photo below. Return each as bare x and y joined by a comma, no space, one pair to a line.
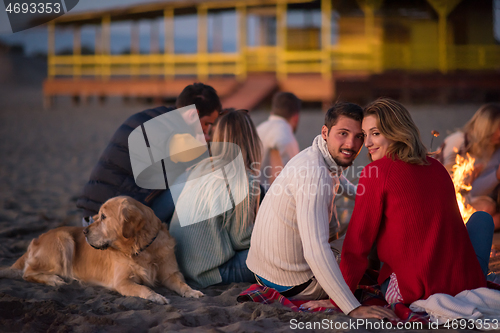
368,295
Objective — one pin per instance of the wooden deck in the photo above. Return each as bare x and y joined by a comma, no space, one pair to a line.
153,88
242,95
361,88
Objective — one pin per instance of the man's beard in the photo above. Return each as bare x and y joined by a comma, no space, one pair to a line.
343,164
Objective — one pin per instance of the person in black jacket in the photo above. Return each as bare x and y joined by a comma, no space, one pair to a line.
112,175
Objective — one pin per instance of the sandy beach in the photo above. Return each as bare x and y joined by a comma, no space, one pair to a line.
45,159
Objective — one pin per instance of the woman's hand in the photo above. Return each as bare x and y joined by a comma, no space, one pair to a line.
472,175
324,303
478,168
498,173
376,312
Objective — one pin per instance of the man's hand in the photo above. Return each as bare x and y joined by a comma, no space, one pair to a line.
324,303
362,312
376,312
276,164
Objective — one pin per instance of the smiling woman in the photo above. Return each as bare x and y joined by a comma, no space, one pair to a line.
376,143
397,134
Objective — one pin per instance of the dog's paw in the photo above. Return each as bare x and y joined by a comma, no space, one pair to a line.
55,281
157,298
193,294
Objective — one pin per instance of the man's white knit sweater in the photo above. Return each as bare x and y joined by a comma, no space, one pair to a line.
289,243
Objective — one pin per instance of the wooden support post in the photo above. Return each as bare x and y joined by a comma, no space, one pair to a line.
217,34
106,22
98,40
168,16
443,8
51,49
369,23
135,38
97,51
105,47
242,41
77,48
262,37
369,7
135,48
281,30
326,38
202,44
169,30
77,51
443,52
154,41
48,100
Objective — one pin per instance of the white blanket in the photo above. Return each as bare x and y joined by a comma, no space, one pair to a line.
481,303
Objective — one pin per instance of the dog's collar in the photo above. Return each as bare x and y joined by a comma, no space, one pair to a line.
145,247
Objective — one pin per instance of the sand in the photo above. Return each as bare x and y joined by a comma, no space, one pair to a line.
46,158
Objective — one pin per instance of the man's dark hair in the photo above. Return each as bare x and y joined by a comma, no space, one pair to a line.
285,104
350,110
203,96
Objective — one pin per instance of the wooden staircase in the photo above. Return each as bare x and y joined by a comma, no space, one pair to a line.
251,92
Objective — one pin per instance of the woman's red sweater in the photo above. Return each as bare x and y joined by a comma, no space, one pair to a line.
411,213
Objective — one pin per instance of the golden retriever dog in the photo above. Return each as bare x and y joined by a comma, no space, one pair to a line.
127,246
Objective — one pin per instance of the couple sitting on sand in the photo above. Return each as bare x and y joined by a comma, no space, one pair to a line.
405,206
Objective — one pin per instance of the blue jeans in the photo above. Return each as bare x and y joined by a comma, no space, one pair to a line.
163,206
236,270
481,227
277,287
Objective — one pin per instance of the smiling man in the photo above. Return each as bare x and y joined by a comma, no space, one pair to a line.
289,249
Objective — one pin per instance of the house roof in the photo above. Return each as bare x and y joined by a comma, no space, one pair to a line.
156,9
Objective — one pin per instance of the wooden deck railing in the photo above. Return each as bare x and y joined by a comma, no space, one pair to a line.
273,59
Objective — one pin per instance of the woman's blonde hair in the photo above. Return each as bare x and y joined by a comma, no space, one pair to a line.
395,123
225,186
479,130
237,127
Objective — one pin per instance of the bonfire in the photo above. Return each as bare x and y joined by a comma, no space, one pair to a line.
461,175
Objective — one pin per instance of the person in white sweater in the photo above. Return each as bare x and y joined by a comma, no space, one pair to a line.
277,136
289,248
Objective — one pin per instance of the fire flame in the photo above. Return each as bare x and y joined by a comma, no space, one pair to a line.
461,173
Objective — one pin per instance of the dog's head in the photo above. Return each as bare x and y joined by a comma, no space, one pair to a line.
124,224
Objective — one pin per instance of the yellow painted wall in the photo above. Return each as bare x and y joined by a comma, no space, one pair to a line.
303,39
424,44
351,31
